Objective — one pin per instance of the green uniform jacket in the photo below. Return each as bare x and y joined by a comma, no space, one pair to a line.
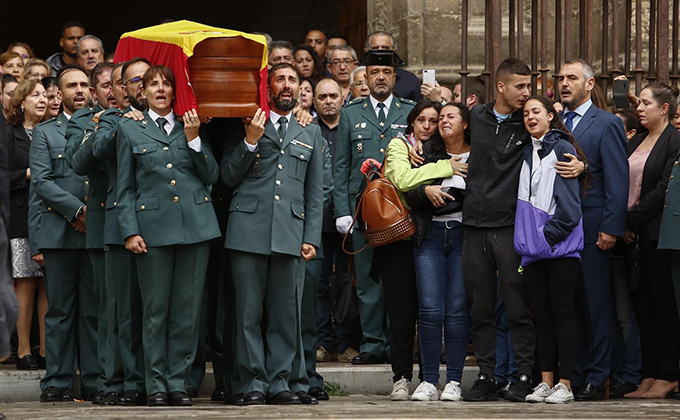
360,137
278,195
669,234
163,185
80,132
105,149
328,186
62,192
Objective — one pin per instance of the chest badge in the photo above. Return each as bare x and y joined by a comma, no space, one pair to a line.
356,125
363,125
360,148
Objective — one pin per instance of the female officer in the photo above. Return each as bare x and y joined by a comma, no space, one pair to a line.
167,219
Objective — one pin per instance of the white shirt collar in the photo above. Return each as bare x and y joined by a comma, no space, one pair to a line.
274,118
66,114
387,102
170,117
581,110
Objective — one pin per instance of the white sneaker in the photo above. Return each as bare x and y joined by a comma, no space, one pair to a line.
560,395
400,390
452,392
541,392
425,392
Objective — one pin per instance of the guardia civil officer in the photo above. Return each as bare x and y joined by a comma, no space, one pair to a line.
275,219
71,319
167,220
365,129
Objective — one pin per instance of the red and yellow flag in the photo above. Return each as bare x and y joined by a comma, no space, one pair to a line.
171,44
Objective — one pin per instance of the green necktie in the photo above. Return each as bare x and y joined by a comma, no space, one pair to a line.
282,127
381,112
161,124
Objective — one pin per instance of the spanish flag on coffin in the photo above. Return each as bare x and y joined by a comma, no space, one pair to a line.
172,44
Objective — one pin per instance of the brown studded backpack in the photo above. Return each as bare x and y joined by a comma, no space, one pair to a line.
385,218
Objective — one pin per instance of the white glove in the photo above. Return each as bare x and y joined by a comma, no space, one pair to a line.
343,223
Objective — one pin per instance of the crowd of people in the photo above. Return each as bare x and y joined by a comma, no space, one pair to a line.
143,242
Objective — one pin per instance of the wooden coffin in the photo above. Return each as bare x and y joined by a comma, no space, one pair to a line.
225,75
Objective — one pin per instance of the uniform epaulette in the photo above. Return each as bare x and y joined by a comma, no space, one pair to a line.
407,101
83,112
355,101
52,120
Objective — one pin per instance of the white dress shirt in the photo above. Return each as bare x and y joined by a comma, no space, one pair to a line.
194,144
387,102
274,118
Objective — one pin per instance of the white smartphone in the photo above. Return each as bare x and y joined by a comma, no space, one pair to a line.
429,76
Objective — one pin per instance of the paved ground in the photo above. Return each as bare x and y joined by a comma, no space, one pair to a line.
355,407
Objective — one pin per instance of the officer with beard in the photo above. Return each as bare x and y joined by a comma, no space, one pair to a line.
274,222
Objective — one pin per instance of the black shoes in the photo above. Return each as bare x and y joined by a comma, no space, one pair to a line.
234,399
51,394
157,399
27,362
192,393
180,399
284,398
67,395
220,394
40,360
484,389
98,397
589,393
366,358
132,398
519,390
112,398
503,388
318,393
305,398
253,398
621,388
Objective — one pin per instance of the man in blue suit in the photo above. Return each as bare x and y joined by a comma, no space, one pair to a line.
603,139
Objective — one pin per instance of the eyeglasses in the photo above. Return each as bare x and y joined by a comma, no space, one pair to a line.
359,83
347,62
135,81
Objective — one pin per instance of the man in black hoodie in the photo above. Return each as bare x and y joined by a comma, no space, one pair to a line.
498,137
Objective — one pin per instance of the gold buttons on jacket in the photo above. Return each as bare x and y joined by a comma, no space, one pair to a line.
280,166
257,155
670,177
87,183
277,198
280,140
207,199
61,156
674,163
278,182
175,199
49,209
169,166
382,150
115,203
101,205
166,148
666,190
85,199
142,207
283,152
143,150
359,136
382,136
173,182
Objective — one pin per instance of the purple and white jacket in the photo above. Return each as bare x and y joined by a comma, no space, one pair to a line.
548,222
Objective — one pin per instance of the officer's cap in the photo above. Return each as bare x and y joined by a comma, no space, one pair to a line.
381,58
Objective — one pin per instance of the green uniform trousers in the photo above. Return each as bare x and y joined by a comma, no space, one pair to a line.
264,284
124,354
171,281
70,321
304,374
371,301
99,285
198,367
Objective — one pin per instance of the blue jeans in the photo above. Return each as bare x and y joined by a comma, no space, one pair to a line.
443,299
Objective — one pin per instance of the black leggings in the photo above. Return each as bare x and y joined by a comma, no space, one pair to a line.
551,284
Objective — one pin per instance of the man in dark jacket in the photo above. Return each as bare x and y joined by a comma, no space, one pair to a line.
498,138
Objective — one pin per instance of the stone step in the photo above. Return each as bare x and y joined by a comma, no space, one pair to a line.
24,386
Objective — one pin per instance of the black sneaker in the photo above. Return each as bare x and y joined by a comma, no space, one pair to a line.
519,390
484,389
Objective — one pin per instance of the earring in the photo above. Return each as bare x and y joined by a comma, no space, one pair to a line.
22,108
